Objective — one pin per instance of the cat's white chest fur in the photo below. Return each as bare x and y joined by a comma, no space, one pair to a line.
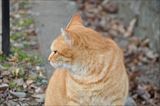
60,65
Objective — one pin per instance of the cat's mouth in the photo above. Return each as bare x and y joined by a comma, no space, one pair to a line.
54,65
60,65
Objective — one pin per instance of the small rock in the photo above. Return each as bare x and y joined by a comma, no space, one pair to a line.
18,94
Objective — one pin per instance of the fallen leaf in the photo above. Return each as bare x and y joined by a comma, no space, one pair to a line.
39,90
39,97
11,103
19,82
130,28
130,101
110,7
28,82
5,73
3,87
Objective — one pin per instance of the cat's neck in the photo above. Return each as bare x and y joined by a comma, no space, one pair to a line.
90,72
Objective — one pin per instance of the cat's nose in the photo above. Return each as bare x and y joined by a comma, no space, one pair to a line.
50,56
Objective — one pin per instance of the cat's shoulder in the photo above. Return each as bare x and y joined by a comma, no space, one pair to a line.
56,90
58,80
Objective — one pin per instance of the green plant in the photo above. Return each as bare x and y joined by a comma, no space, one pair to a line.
12,84
16,35
3,58
25,22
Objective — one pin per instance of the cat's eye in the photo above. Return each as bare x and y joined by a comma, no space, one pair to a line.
55,51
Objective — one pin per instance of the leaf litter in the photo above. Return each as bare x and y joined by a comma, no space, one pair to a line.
22,78
141,61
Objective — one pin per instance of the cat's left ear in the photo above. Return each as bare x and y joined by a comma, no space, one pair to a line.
75,20
67,37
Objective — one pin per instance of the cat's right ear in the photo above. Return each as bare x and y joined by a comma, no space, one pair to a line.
67,37
76,19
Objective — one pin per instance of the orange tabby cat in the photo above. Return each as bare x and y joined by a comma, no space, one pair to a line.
90,69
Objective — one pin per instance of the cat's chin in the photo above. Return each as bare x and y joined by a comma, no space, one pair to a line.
60,65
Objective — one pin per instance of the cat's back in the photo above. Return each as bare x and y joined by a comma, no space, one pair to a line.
56,88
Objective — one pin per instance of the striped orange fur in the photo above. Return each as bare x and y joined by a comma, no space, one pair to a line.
89,69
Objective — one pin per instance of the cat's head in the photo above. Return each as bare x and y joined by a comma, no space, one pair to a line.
74,45
63,50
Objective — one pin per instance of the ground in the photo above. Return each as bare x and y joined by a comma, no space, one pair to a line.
34,24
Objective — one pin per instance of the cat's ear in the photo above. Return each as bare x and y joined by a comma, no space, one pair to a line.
75,20
66,36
